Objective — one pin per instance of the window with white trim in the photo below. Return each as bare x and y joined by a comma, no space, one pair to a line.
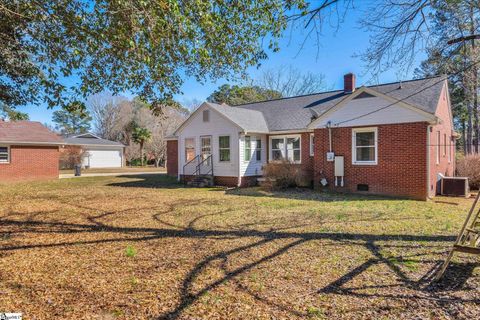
224,148
248,148
312,144
189,149
293,149
438,147
4,154
285,147
278,149
364,146
444,144
450,150
258,150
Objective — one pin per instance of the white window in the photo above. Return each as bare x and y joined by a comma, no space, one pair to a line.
293,149
4,154
248,148
285,147
312,144
450,150
189,149
258,150
364,146
278,148
224,148
206,115
444,144
438,147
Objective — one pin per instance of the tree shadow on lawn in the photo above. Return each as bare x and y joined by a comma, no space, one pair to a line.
160,181
453,281
308,194
189,296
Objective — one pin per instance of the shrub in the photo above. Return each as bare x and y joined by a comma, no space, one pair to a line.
469,166
71,156
283,175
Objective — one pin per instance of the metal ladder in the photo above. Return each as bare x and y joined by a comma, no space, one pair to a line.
468,239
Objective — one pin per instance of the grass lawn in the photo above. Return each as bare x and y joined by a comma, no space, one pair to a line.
137,247
116,170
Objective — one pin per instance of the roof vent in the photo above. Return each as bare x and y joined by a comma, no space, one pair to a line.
400,84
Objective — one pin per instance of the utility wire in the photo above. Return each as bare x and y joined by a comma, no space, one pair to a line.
409,96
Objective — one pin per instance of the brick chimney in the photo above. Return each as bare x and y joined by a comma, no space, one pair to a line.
349,83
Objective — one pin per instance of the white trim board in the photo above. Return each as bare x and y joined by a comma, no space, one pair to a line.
368,111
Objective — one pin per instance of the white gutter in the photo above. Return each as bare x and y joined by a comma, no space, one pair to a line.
95,145
29,143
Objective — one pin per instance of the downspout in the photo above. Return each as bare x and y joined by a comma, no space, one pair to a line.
329,126
429,128
239,182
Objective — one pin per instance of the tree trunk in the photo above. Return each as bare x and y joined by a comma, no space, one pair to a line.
141,154
475,130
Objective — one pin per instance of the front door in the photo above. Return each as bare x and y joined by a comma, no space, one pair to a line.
206,151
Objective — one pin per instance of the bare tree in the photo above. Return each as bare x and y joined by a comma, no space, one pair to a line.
290,81
191,104
106,114
116,118
163,126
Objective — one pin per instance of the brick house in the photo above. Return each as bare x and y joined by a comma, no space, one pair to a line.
394,139
28,151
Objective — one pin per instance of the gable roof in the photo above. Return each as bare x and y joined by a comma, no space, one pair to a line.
296,113
244,119
27,132
248,120
89,139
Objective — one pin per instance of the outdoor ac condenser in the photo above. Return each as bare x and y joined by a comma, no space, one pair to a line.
339,171
454,186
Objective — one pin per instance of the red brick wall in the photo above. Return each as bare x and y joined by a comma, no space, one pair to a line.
402,160
29,163
172,158
444,166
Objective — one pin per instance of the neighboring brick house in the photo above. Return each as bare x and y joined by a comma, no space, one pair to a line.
28,151
394,139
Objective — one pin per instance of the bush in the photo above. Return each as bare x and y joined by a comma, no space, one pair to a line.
469,166
71,156
283,175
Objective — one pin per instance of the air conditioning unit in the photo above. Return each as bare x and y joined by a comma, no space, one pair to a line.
454,186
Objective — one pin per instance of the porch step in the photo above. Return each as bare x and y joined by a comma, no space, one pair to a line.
201,181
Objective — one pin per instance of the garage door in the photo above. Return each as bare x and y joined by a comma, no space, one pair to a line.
103,158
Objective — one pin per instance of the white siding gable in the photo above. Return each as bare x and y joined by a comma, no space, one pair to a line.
216,126
368,111
252,167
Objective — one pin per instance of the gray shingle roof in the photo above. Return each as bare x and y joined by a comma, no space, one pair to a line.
90,141
248,120
296,112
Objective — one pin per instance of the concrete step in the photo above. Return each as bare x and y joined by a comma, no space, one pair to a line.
201,181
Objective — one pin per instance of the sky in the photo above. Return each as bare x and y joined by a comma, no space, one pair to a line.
335,55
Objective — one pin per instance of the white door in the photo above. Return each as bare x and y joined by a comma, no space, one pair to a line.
103,158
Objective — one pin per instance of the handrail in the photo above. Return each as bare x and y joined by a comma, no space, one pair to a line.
200,164
197,157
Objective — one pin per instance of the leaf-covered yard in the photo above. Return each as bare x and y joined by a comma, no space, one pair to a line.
144,247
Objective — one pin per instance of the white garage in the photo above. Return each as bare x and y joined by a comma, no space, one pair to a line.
100,153
103,158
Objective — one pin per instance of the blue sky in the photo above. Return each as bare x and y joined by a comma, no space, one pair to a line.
333,57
